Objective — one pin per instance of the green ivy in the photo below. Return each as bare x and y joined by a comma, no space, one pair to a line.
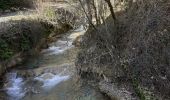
5,51
7,4
137,89
25,43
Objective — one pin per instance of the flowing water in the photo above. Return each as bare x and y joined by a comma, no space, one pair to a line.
51,75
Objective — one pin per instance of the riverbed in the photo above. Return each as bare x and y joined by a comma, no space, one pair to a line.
50,76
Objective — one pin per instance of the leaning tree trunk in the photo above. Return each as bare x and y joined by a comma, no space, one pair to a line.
89,19
111,9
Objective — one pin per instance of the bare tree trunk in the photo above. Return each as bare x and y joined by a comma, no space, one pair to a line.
89,9
111,9
102,9
89,19
95,12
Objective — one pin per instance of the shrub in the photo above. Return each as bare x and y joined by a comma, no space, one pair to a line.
5,51
7,4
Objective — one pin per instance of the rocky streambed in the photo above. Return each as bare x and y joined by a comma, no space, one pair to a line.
49,76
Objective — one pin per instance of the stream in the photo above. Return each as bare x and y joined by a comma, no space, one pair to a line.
50,76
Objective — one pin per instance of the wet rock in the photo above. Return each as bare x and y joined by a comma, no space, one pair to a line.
47,76
114,92
14,9
7,11
16,59
26,74
31,90
77,42
1,68
1,11
2,96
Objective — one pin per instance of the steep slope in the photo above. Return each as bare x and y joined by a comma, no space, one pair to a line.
130,59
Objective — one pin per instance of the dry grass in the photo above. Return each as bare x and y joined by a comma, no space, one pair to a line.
135,52
147,40
59,12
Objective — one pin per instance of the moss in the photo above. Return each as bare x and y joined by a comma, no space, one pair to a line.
143,93
25,39
48,30
4,4
25,44
149,95
22,36
85,98
138,90
5,51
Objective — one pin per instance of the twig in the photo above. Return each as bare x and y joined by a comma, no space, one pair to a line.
90,22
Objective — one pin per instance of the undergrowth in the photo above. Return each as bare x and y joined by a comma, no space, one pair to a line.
137,89
8,4
21,36
142,40
5,51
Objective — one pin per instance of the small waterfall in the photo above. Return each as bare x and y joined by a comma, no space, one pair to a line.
15,86
50,80
58,47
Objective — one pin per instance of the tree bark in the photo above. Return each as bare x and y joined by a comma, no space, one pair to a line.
111,9
89,19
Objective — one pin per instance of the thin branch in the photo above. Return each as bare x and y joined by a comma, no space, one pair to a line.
90,22
111,9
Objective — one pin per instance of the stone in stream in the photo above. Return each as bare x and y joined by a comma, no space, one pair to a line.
50,80
47,76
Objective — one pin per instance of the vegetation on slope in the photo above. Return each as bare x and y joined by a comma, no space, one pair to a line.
8,4
24,34
133,53
20,36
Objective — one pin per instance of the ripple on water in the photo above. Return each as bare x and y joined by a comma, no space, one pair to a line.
58,48
15,85
50,80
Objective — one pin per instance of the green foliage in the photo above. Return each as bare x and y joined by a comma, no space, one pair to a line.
137,89
86,98
49,13
47,32
149,95
5,51
143,93
25,44
7,4
21,36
